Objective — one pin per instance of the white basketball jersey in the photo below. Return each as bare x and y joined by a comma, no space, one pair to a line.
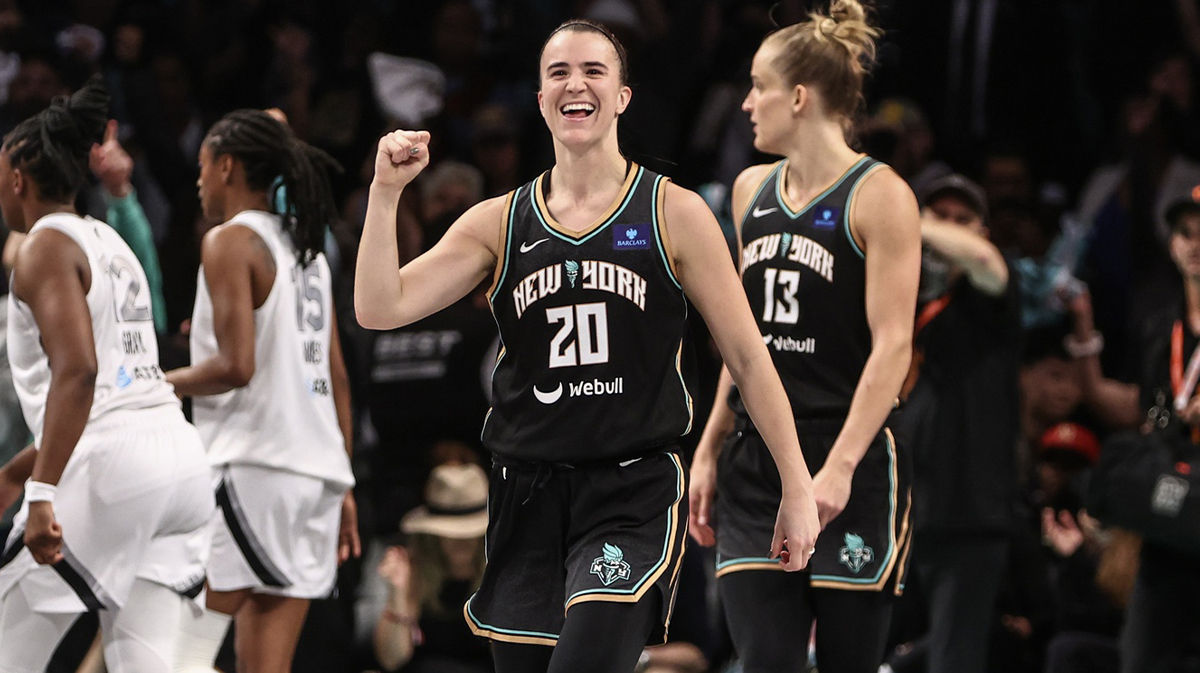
285,417
127,373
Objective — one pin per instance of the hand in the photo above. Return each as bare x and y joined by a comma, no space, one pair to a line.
1061,533
396,570
111,164
395,163
1080,308
831,490
796,530
701,490
43,535
349,545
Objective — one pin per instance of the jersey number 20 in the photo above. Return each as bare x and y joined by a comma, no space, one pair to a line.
589,324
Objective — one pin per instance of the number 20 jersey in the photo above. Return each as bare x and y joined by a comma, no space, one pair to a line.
591,329
127,372
805,277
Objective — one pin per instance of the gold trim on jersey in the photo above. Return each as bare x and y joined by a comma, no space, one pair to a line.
660,215
758,192
850,201
783,195
539,203
483,631
502,256
756,565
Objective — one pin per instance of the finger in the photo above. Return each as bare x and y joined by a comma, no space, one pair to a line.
423,137
776,542
110,132
355,544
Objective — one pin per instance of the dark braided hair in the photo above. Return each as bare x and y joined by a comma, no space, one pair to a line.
52,147
268,151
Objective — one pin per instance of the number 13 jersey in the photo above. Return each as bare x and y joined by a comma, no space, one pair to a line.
591,330
285,417
805,277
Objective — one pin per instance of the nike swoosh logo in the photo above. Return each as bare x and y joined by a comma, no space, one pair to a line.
526,247
758,212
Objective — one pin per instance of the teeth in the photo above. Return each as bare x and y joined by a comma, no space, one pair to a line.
579,107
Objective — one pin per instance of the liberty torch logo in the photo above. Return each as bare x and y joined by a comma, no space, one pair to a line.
855,554
572,268
612,566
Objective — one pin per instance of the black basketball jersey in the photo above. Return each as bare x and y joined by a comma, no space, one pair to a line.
805,277
591,329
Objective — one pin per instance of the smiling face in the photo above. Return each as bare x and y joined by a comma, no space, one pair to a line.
772,102
581,89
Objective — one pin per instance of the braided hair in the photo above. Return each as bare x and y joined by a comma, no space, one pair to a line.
52,147
269,151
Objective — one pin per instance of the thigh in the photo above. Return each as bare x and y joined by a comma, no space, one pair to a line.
770,614
140,636
605,637
852,629
28,638
266,631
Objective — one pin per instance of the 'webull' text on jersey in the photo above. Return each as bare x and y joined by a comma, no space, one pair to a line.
591,327
805,277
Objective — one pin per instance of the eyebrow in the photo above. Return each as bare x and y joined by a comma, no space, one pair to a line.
587,64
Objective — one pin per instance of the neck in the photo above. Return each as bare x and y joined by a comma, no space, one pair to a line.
242,200
1191,296
39,209
583,171
818,154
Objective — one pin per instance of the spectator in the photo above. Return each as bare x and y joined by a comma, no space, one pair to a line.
421,629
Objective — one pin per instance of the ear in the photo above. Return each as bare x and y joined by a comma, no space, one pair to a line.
225,167
18,182
540,101
800,98
623,98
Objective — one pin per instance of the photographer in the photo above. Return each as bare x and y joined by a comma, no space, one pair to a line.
1163,610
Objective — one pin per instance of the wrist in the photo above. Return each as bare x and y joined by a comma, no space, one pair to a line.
1084,347
37,491
384,190
119,190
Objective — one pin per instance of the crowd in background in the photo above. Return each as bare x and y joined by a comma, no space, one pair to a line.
1078,119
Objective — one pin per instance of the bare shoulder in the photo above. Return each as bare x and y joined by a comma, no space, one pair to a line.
483,222
683,207
884,192
750,179
44,254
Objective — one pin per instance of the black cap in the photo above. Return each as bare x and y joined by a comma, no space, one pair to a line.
958,185
1178,209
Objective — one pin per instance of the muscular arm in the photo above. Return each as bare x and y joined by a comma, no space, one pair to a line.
387,296
710,282
229,254
885,219
52,277
982,261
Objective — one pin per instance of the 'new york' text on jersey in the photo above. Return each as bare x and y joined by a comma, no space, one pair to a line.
591,329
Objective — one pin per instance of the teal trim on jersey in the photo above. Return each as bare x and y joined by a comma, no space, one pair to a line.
846,213
687,395
892,495
508,236
766,181
815,201
671,531
580,241
745,560
497,629
662,251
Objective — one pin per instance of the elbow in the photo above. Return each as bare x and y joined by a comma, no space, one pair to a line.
370,318
238,374
80,377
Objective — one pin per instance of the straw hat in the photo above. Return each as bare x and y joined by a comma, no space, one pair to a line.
456,504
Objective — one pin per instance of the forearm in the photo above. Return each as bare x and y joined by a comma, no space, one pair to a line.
874,398
1114,402
210,377
17,470
720,418
377,276
393,636
982,261
765,400
68,405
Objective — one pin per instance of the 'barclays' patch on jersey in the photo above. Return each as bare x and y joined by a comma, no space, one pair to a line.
631,236
826,217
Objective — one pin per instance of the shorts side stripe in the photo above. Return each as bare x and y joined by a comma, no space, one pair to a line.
16,542
738,564
634,594
80,580
252,550
505,635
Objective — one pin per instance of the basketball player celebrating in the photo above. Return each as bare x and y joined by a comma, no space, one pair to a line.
271,395
829,245
589,264
119,480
